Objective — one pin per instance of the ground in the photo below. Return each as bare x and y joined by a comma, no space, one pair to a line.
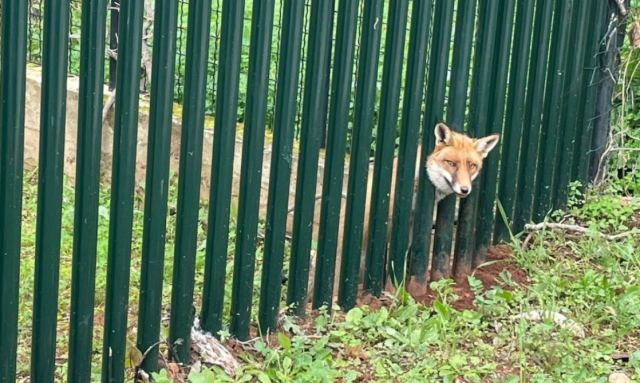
482,329
469,331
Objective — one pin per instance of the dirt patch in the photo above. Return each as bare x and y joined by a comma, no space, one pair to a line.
499,260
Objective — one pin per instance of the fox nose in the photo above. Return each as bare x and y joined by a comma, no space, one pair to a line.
464,190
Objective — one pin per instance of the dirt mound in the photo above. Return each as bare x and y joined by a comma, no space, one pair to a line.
499,260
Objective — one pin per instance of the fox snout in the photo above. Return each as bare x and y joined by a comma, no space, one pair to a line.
462,191
447,179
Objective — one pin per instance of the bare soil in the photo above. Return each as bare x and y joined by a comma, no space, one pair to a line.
500,260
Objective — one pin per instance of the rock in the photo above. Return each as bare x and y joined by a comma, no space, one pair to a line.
619,377
210,351
557,318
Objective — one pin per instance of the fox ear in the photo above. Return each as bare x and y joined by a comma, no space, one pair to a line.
486,144
443,133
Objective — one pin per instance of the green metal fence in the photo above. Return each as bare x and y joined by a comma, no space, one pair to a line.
529,70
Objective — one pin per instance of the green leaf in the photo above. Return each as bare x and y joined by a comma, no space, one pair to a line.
354,315
284,341
441,308
263,377
161,377
203,376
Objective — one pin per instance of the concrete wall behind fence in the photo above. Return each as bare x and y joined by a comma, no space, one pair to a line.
32,129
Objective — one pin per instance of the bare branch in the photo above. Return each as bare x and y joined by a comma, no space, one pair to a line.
622,9
107,106
577,229
146,55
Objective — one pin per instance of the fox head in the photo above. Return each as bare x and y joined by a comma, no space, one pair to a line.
456,160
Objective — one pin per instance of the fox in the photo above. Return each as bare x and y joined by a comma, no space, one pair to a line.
452,166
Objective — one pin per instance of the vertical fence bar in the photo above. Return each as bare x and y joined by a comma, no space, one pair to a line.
484,61
533,113
12,95
360,147
285,113
385,145
574,91
554,101
334,160
190,170
255,120
498,96
593,75
436,89
122,189
50,166
465,22
313,122
85,238
221,178
412,108
157,181
514,123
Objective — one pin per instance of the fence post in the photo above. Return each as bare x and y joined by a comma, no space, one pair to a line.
125,133
50,178
221,178
497,96
436,89
288,74
574,91
313,122
554,100
255,120
157,181
385,145
12,97
533,114
360,147
421,20
514,123
189,171
465,23
334,160
85,237
485,52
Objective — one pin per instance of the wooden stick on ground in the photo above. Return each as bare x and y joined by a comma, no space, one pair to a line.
577,229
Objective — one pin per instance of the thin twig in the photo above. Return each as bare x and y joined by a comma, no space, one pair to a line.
577,229
108,105
622,9
113,54
525,243
146,55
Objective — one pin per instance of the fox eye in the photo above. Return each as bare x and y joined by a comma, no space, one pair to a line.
451,163
473,167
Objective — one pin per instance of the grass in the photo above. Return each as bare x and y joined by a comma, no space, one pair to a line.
592,282
27,270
